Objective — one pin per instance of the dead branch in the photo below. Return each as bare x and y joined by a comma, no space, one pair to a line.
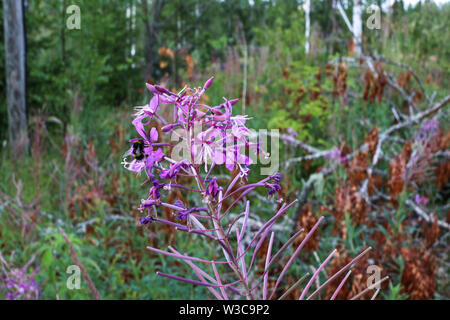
426,216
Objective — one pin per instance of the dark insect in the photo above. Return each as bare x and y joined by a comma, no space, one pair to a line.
138,149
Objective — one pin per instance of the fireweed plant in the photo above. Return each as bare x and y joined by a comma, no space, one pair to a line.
16,283
222,140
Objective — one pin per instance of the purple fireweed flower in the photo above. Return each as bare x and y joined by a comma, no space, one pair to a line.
152,158
232,156
173,170
185,212
142,152
182,215
427,131
222,142
334,154
179,204
149,203
12,296
223,139
154,190
146,220
20,286
422,201
291,132
430,125
221,146
205,146
213,188
273,188
276,177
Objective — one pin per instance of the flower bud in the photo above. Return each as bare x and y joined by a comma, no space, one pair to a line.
149,203
169,127
213,188
162,90
151,88
233,102
216,111
208,83
146,220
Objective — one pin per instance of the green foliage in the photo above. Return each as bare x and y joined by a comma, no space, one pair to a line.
88,67
394,293
300,105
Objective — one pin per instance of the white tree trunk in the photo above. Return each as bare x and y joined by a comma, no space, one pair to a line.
357,26
307,8
131,41
15,74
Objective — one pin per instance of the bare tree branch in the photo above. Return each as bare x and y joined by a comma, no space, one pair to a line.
426,216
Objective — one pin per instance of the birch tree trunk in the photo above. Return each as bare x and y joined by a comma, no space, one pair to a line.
307,8
131,25
357,26
15,75
387,25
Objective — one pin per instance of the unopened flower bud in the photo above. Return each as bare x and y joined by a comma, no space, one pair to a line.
169,127
152,88
213,188
208,83
162,90
233,102
146,220
217,112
